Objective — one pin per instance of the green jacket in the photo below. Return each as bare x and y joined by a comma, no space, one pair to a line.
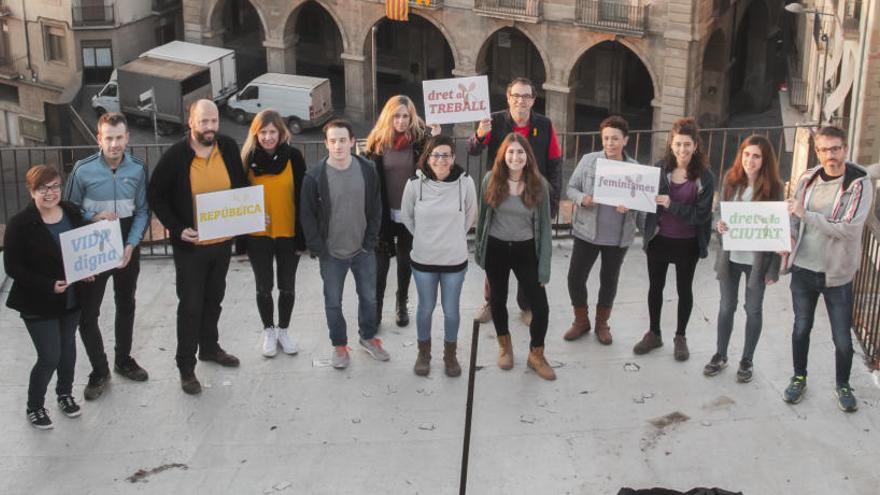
540,221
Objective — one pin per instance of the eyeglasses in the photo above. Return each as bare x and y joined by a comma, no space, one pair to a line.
829,149
440,156
516,96
44,190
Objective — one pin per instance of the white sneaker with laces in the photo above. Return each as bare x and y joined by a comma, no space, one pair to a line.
270,342
288,343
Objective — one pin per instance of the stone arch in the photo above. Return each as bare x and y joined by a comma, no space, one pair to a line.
715,86
214,15
509,52
634,48
291,14
481,53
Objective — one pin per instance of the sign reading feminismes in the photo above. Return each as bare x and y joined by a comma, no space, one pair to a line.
91,249
461,99
230,213
626,184
756,226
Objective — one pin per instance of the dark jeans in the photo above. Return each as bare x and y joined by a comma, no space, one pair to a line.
333,272
261,252
521,300
806,286
91,295
583,256
55,341
754,310
502,257
201,285
684,254
402,249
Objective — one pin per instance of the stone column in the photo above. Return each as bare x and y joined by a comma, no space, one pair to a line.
560,106
212,38
358,87
281,55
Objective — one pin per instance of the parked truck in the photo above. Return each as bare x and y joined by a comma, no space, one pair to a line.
219,61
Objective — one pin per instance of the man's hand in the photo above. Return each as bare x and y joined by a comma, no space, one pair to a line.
189,235
60,286
622,209
126,255
484,128
105,215
796,208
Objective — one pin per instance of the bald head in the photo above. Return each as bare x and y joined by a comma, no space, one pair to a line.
204,120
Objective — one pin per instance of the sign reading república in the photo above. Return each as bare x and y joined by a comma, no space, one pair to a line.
756,226
626,184
92,249
230,213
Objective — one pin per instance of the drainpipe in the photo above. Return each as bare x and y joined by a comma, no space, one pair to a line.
27,43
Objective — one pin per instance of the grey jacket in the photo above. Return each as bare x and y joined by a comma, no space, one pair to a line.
842,230
585,218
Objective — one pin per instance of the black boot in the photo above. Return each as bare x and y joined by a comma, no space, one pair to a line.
402,311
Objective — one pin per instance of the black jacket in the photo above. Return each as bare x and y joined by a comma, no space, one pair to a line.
315,206
33,261
170,191
539,138
386,232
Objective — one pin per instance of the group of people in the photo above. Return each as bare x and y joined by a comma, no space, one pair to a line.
406,197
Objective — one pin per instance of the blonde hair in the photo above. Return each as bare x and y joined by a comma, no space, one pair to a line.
382,135
261,120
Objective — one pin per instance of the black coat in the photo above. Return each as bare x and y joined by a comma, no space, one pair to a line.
32,260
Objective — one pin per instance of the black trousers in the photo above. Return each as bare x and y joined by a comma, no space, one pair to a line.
201,285
684,254
583,257
520,257
55,342
262,251
402,248
91,295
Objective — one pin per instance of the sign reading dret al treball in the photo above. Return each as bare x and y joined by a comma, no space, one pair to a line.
230,213
756,226
460,99
626,184
91,249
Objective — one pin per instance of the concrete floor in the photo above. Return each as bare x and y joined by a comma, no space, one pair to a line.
293,425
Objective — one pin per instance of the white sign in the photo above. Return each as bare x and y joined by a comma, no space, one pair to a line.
626,184
230,213
756,226
460,99
92,249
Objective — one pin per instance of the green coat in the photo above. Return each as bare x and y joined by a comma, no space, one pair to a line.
542,230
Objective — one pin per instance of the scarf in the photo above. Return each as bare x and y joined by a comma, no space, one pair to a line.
261,163
401,141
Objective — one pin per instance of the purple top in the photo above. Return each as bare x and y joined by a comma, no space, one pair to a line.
670,225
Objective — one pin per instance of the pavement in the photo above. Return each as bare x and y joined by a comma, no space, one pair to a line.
292,424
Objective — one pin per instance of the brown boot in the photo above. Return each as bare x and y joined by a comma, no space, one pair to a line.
505,352
538,363
649,342
423,361
680,349
603,331
450,360
580,325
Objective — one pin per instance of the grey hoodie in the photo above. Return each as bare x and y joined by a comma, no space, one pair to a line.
439,215
581,184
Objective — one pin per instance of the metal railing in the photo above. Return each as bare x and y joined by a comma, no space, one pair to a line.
617,16
797,93
513,8
426,4
866,292
89,15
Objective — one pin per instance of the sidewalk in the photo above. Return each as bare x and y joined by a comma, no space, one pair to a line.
293,425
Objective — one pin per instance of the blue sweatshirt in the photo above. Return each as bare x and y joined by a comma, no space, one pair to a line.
95,187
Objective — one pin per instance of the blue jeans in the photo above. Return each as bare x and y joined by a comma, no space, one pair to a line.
450,286
333,272
754,310
806,286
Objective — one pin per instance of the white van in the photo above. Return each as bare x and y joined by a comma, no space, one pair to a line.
303,101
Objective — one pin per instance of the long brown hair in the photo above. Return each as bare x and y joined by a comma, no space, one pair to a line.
768,184
382,135
497,189
260,121
687,126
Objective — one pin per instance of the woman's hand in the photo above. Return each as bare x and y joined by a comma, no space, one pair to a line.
189,235
435,129
60,286
622,209
721,227
587,201
663,200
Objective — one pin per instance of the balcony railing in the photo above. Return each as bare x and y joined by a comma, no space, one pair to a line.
91,14
616,16
426,4
522,10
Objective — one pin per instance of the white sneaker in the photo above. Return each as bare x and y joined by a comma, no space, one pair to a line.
288,343
270,342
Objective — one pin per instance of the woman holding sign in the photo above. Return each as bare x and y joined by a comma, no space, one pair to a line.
395,145
513,234
754,176
678,234
269,160
47,303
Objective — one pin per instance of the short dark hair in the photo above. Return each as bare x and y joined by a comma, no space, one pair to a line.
340,123
112,119
39,175
434,142
521,80
615,122
831,131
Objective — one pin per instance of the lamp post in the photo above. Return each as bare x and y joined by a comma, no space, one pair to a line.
819,35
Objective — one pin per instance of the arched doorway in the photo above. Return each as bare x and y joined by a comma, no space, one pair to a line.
317,45
507,54
714,90
243,32
757,67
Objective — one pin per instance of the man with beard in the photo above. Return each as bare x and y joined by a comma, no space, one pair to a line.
204,161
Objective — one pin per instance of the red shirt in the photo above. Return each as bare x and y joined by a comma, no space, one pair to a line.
553,153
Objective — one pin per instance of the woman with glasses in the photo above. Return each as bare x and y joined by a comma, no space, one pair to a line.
514,235
438,208
395,145
47,303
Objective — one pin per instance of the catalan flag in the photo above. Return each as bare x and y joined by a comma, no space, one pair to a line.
397,10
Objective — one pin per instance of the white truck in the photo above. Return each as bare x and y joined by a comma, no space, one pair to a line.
303,101
219,61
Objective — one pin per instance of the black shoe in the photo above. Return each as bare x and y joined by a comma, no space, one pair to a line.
68,406
715,365
96,385
131,370
402,314
795,390
744,373
189,383
220,357
846,400
39,418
